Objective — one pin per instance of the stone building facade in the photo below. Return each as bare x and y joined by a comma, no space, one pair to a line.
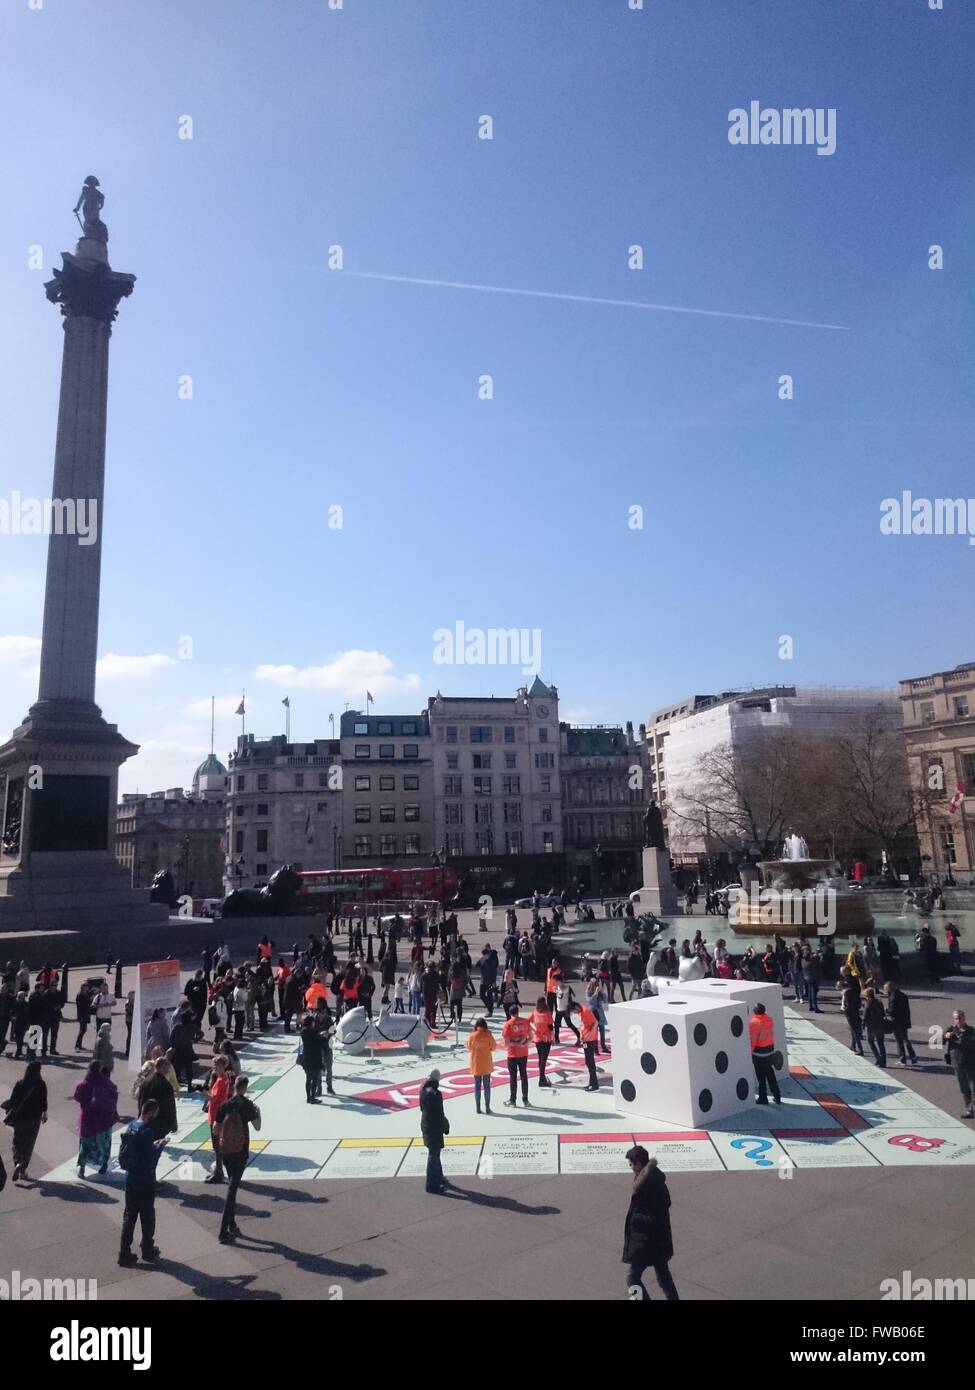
175,830
387,815
939,729
603,781
283,806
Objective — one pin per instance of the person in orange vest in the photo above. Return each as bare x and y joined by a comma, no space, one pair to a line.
315,991
516,1035
553,978
542,1030
265,949
590,1041
761,1033
480,1049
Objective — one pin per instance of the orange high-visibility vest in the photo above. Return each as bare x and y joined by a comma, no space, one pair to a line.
761,1031
590,1026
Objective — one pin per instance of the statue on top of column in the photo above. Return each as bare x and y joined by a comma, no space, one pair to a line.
91,200
653,827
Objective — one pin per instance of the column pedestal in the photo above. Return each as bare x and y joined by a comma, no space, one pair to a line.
657,894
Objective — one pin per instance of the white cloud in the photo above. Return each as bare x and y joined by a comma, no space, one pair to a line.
20,651
579,714
351,673
160,764
226,705
111,665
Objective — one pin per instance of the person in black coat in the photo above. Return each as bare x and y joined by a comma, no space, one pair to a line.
899,1017
647,1241
26,1112
433,1126
312,1059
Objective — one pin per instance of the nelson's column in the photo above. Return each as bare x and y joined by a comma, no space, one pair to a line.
59,769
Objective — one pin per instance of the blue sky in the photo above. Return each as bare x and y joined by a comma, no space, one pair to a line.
314,388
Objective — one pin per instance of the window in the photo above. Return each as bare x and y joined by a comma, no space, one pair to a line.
263,782
411,811
547,811
483,812
323,779
511,759
384,727
509,733
455,842
240,784
261,842
299,780
262,808
363,846
322,807
411,844
961,706
239,842
948,846
545,782
451,733
548,842
512,842
481,760
363,782
544,760
453,813
482,786
411,783
411,750
481,733
260,869
361,727
408,726
363,814
927,711
387,750
512,813
543,735
453,759
387,783
968,771
242,810
511,786
387,844
453,786
387,813
483,841
363,750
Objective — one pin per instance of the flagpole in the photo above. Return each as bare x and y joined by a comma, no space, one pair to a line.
213,716
243,711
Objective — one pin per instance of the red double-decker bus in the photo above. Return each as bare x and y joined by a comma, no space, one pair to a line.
432,883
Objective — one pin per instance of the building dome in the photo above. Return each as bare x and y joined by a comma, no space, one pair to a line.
209,776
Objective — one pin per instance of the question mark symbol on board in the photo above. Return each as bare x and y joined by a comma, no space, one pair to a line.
759,1147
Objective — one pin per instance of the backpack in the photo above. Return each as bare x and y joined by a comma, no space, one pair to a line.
126,1153
233,1133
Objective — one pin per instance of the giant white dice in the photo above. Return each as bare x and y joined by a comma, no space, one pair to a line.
748,993
681,1057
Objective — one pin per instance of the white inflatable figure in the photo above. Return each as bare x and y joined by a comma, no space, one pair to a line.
356,1031
690,969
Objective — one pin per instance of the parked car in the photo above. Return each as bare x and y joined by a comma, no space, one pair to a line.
212,907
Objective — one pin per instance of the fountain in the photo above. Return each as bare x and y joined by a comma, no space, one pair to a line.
800,896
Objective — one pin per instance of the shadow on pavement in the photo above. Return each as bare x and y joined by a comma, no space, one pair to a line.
481,1199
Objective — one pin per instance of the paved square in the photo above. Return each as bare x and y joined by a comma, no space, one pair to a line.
838,1111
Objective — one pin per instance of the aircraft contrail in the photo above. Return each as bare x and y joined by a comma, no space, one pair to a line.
592,299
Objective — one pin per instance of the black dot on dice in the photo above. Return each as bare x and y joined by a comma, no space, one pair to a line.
705,1100
737,1026
700,1034
777,1060
649,1063
627,1090
721,1063
669,1034
741,1090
